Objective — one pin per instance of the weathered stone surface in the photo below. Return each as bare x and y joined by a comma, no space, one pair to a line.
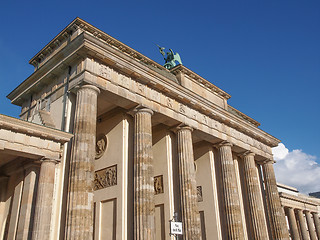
310,224
188,185
144,209
302,225
81,176
256,207
316,223
277,220
43,208
231,202
129,79
293,224
28,199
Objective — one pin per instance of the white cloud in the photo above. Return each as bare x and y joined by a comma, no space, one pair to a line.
297,169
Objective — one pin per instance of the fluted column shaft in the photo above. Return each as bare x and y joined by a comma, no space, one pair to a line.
29,191
316,223
293,224
312,231
303,225
188,185
230,193
80,191
43,209
144,209
254,196
277,219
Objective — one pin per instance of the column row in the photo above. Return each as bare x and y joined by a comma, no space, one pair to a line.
80,193
303,224
256,206
28,215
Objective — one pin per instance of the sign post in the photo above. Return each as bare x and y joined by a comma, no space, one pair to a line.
175,227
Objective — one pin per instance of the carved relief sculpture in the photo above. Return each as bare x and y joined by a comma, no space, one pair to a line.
101,146
199,194
106,177
158,184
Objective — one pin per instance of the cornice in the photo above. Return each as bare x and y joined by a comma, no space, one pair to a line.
195,101
18,125
49,69
77,24
243,116
244,124
298,198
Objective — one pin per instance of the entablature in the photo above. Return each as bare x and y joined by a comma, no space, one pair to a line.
34,130
88,47
298,202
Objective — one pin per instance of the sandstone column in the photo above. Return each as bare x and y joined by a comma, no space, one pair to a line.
316,223
29,192
303,226
293,224
188,187
4,208
277,219
80,191
254,196
43,208
144,209
312,231
230,193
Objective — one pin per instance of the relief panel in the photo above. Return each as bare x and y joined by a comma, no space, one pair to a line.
158,184
106,177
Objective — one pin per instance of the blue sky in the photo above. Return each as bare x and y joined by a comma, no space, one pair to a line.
266,54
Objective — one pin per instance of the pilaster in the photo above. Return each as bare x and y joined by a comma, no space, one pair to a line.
188,185
256,207
230,193
144,208
277,219
80,190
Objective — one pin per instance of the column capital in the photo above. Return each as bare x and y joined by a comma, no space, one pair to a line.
268,161
45,159
222,144
143,110
246,153
140,109
181,127
87,86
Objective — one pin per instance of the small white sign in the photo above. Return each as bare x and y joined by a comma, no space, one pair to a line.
176,228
